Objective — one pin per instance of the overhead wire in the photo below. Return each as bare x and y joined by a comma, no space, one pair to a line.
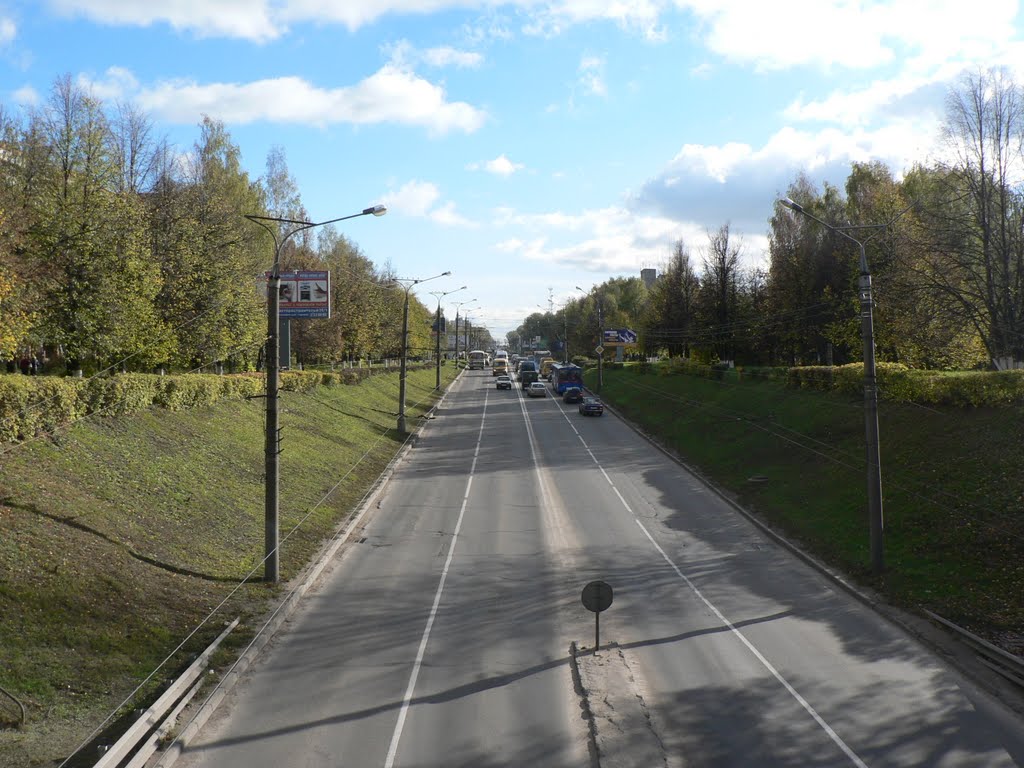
244,580
902,483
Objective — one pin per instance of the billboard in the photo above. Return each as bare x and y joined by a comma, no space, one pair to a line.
619,336
304,293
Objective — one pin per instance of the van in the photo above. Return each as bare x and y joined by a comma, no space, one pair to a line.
527,372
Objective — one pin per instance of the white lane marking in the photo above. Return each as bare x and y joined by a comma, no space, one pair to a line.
836,738
407,700
555,522
757,654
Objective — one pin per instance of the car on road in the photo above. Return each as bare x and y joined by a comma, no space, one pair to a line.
591,406
527,372
572,395
504,382
537,389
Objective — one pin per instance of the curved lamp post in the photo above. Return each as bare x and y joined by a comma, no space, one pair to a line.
437,327
407,284
876,522
469,325
600,337
459,306
271,560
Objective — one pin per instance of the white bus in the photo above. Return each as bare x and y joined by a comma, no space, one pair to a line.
477,360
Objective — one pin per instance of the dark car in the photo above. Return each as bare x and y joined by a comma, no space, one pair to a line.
572,395
528,373
591,406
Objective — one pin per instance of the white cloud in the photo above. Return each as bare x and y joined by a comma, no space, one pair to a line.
855,34
8,31
907,96
415,198
262,20
553,18
613,239
738,183
446,57
500,166
447,216
26,96
247,19
404,54
419,199
390,95
591,75
118,83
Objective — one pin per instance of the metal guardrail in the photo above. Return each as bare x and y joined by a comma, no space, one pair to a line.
1004,663
155,721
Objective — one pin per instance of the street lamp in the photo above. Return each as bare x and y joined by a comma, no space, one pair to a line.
412,281
271,560
565,331
600,338
469,325
459,306
867,329
437,326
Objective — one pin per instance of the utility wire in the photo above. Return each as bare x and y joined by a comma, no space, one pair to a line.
245,579
795,438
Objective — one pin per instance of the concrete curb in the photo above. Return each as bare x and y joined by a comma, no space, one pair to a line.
952,650
302,582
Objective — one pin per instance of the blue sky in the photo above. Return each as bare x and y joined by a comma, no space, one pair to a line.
528,146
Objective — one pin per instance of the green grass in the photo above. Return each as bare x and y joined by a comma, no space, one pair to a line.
118,537
952,485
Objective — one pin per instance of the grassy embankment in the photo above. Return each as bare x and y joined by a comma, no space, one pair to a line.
120,535
952,483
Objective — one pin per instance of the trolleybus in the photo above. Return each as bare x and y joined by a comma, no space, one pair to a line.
565,375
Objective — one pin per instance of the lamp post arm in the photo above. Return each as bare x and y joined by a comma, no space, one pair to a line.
876,516
272,467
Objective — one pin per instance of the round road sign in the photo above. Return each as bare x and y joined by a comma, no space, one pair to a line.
597,596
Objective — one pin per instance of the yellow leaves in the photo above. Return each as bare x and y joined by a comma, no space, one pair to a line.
15,321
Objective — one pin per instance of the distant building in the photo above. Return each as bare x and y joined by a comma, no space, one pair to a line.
649,276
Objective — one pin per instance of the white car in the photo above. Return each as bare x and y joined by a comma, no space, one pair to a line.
537,389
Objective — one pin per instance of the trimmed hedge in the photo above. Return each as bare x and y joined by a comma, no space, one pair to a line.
898,383
33,404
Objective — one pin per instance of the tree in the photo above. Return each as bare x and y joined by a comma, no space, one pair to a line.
88,239
670,321
717,298
975,221
135,153
17,297
215,256
811,279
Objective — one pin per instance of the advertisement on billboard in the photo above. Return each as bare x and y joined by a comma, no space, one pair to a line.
304,294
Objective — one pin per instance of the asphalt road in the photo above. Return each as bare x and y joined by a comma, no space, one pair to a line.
440,636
